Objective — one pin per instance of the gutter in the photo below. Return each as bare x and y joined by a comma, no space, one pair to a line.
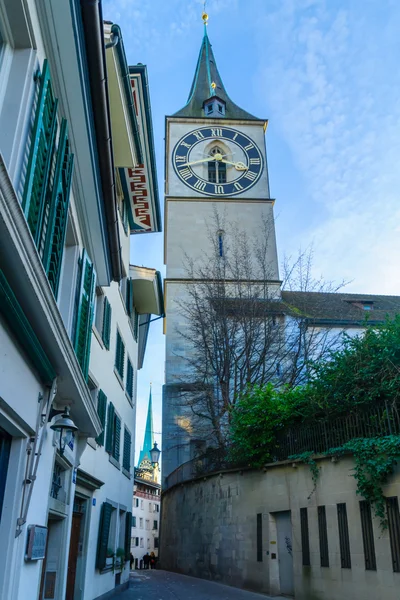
119,45
92,20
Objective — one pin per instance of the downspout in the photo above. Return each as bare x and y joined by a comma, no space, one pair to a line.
92,20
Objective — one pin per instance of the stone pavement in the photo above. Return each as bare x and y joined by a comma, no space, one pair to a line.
163,585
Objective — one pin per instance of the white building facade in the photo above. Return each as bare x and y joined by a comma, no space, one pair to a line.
74,128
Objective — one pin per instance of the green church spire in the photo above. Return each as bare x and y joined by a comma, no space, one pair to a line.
207,83
148,442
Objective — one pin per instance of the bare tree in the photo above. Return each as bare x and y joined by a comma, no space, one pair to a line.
238,329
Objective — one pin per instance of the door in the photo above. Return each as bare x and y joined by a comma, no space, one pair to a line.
73,554
285,553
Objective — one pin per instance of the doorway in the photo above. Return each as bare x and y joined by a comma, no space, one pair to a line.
74,573
285,552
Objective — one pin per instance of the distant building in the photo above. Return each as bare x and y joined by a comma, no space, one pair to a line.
146,498
77,178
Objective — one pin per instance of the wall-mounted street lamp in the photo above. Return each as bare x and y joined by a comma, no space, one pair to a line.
155,455
64,425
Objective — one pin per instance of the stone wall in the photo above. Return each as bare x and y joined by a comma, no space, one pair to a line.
210,526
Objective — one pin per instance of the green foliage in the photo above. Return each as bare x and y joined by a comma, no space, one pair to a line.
307,458
375,459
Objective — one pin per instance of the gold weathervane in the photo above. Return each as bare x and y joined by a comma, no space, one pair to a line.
204,16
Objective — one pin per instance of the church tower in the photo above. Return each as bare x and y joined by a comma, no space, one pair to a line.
144,464
215,164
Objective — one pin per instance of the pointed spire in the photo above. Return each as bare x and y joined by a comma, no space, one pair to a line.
148,442
207,83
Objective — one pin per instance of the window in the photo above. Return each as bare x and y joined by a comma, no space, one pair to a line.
393,515
84,312
105,540
305,540
141,505
367,535
150,507
344,541
129,296
141,542
156,508
101,411
156,542
323,537
136,502
129,379
259,538
137,541
119,356
45,200
155,525
209,108
147,524
106,325
220,109
216,168
148,544
141,523
133,521
135,323
113,438
126,458
220,234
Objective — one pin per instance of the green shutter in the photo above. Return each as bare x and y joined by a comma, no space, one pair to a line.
104,532
135,326
40,155
105,334
101,411
129,296
110,428
129,379
120,355
126,460
117,438
85,311
128,532
58,210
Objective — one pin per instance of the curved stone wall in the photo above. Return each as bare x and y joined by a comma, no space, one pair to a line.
233,527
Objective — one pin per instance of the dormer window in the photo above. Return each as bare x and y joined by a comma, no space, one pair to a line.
214,107
362,304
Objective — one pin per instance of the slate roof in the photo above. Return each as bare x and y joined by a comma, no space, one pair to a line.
340,309
201,90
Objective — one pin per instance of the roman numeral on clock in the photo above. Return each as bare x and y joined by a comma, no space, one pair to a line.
250,175
180,159
249,147
198,135
200,185
237,186
216,132
185,173
218,189
186,145
255,161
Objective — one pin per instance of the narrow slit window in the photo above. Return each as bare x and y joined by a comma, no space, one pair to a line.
216,168
344,540
393,515
367,535
323,536
259,538
305,539
220,243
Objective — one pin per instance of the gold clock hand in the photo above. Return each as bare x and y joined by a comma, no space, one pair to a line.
239,166
195,162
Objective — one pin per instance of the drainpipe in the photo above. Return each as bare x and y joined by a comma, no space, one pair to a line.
92,21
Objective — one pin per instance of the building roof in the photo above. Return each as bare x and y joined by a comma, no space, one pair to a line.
203,88
340,309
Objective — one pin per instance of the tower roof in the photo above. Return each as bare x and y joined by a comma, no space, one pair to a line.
207,83
148,442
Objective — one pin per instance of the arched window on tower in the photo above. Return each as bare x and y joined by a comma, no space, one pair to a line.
216,168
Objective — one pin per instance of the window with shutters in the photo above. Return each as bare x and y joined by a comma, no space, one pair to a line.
47,180
113,436
305,540
367,535
141,523
141,542
323,536
129,379
129,296
126,459
106,324
119,356
392,505
104,534
84,311
101,411
133,521
155,525
156,542
344,540
128,529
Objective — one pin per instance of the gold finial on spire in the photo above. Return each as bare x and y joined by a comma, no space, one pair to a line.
204,16
213,85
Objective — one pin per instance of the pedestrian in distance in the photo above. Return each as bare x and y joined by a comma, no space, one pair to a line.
131,559
146,560
152,560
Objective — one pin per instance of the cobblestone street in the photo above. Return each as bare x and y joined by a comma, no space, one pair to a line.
163,585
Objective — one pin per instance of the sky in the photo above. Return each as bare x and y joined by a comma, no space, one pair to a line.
325,73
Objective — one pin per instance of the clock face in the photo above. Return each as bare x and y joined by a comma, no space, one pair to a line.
217,161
